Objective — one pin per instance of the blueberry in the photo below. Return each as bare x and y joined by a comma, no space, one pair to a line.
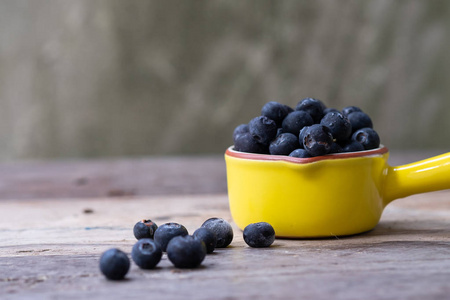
241,129
222,229
146,253
300,153
301,135
288,109
167,231
144,229
352,146
263,129
279,131
284,144
359,120
367,137
336,148
312,106
275,111
186,251
339,125
349,109
114,264
259,235
328,110
295,121
317,140
246,143
208,237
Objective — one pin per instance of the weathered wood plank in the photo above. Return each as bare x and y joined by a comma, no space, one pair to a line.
50,249
80,179
113,178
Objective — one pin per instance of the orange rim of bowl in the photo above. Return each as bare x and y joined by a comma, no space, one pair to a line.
268,157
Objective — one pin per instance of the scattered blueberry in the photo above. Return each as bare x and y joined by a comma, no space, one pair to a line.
284,144
114,264
300,153
259,235
241,129
275,111
312,106
367,137
186,251
208,237
317,140
352,146
144,229
167,231
349,109
246,143
339,125
295,121
262,129
359,120
146,253
222,229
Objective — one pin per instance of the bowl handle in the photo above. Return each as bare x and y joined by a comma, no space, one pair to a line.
432,174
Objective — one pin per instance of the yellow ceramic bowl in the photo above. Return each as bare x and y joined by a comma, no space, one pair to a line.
332,195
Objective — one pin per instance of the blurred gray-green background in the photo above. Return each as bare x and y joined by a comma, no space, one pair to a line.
93,78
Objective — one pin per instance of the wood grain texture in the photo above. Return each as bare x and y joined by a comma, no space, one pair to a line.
50,249
113,178
81,179
119,78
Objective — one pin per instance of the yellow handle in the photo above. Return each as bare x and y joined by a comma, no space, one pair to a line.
428,175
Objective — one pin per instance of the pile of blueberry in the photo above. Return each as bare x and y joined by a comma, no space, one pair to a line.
183,250
311,129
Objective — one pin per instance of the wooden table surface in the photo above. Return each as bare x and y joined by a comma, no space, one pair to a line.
56,219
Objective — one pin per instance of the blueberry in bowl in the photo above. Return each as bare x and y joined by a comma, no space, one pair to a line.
336,183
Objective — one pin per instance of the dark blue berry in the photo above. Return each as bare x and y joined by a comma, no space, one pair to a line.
208,237
168,231
352,146
279,131
186,251
222,229
259,235
295,121
146,253
317,140
349,109
367,137
114,264
359,120
246,143
275,111
263,129
300,153
312,106
144,229
339,125
335,148
301,135
241,129
288,109
284,144
328,110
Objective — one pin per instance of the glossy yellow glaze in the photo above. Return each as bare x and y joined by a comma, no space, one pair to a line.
331,197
